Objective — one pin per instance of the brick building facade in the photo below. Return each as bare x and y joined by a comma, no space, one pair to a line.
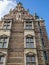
23,39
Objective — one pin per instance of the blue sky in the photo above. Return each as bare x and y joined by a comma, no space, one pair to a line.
41,7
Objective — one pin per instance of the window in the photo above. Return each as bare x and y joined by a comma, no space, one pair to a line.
29,25
45,55
41,31
30,60
42,42
3,42
7,25
29,42
1,58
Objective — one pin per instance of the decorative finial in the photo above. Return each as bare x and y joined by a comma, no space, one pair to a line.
35,15
10,10
41,18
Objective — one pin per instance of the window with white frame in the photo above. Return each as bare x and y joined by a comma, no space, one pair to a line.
28,25
29,42
30,60
3,42
7,25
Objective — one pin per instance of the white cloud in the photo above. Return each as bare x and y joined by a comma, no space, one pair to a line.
5,6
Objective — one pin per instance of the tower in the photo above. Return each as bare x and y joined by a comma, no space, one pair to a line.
23,39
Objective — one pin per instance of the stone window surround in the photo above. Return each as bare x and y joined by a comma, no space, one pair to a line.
29,41
30,53
25,41
28,22
7,23
5,36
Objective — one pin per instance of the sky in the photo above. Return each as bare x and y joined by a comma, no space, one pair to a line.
41,7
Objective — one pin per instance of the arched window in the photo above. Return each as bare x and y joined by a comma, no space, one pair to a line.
29,41
3,42
30,60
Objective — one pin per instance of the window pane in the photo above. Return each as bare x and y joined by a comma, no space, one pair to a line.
3,42
28,26
30,59
33,59
6,25
5,39
5,45
30,45
33,64
45,55
1,45
27,63
29,39
1,58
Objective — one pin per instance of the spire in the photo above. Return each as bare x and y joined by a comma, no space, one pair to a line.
19,7
35,15
19,4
